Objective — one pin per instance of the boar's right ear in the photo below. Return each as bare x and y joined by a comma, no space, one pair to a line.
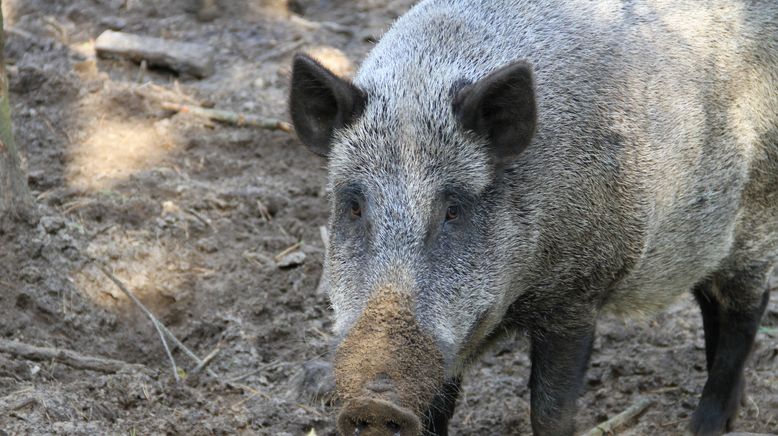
321,102
501,107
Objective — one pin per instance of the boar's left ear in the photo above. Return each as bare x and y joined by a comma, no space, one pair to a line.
501,107
321,102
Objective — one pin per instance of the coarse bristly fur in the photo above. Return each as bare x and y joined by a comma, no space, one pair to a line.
653,169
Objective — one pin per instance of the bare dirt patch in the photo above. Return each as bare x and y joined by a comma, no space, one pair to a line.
191,215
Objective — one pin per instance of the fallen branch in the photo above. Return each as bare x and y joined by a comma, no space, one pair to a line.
64,356
148,313
619,421
229,117
158,324
184,57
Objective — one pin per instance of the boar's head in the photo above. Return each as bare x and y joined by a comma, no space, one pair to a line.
418,269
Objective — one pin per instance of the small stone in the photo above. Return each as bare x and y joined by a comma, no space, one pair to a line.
209,11
30,274
52,224
170,208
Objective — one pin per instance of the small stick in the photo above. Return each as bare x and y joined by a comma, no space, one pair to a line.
286,251
204,364
279,51
159,324
325,237
610,426
263,212
148,313
186,350
64,356
230,117
257,370
200,218
254,393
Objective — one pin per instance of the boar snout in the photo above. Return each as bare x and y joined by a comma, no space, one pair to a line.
376,417
387,369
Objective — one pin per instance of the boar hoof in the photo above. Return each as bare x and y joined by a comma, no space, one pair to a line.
375,417
707,421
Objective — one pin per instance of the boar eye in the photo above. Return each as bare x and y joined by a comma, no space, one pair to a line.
452,212
355,208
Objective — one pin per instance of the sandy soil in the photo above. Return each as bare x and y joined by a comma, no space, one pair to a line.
191,215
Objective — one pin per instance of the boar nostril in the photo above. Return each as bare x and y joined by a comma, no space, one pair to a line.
359,426
393,427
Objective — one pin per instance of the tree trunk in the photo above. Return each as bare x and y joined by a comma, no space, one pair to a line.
14,195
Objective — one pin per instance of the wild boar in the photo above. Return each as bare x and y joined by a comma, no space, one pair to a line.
509,164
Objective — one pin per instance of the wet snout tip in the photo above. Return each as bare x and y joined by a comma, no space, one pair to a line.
376,417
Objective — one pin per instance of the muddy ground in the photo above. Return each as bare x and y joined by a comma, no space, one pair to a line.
191,215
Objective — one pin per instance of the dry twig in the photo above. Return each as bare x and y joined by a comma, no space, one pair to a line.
286,251
204,364
143,308
200,218
279,51
229,117
257,370
64,356
614,424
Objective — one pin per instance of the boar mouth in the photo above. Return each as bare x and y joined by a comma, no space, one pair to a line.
387,369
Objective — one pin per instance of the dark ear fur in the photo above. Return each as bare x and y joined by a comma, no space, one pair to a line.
501,107
321,102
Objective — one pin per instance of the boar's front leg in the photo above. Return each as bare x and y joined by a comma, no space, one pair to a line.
559,361
732,305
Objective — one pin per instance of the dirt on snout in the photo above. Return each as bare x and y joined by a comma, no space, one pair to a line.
216,228
387,341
